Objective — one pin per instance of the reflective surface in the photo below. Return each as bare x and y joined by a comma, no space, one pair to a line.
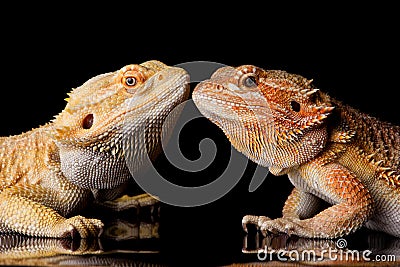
130,237
141,244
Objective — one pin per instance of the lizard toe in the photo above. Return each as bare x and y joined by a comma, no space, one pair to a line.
280,225
70,232
81,227
249,219
96,227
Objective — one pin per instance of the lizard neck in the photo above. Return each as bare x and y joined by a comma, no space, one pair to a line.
26,158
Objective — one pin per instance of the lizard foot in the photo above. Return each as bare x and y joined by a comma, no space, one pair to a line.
289,226
253,219
80,227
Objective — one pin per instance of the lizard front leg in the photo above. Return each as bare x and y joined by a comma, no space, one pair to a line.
22,212
299,205
353,208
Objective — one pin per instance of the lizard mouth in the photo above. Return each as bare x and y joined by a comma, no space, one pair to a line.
211,99
208,95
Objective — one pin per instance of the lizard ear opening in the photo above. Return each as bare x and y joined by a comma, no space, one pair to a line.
295,106
87,122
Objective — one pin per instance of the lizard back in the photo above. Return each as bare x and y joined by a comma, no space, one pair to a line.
378,140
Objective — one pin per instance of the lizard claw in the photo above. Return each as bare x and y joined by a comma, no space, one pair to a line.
81,227
253,219
280,225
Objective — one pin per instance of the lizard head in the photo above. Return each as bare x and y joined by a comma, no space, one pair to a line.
273,117
113,116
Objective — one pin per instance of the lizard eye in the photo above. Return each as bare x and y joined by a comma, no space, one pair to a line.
249,80
295,106
131,77
130,81
87,122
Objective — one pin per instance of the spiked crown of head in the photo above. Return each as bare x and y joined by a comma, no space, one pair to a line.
296,105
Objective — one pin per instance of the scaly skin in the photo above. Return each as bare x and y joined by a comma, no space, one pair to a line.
329,151
51,173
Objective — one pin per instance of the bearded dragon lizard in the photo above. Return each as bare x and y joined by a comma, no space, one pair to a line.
49,174
329,150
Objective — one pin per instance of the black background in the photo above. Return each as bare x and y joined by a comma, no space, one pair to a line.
350,52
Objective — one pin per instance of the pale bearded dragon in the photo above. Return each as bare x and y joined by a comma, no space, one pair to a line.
329,151
48,175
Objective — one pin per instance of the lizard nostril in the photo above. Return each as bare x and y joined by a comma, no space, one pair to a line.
87,121
160,77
